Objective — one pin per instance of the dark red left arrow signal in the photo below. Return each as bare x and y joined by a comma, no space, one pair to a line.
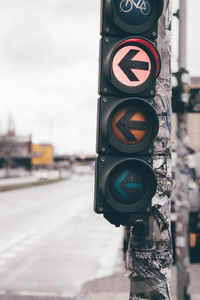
125,124
126,64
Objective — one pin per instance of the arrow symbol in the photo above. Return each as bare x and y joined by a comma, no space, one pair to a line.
125,124
127,64
129,185
134,185
117,184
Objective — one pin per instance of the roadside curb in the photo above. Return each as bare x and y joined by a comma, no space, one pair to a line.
11,187
10,296
115,287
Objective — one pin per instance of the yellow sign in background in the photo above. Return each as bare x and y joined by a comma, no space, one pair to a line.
42,154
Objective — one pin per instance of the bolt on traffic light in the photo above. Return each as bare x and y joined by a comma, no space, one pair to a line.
127,119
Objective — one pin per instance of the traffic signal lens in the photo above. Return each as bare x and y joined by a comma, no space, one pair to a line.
134,64
127,184
129,125
130,185
134,12
131,65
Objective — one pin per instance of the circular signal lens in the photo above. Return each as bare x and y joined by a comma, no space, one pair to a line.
131,66
134,64
129,125
130,186
134,12
132,126
136,16
127,184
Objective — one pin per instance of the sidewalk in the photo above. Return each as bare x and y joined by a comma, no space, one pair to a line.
116,287
9,184
17,180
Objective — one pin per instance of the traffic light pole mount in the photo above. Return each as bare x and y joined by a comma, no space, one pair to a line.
150,254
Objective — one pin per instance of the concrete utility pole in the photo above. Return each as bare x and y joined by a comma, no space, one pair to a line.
182,202
150,255
182,58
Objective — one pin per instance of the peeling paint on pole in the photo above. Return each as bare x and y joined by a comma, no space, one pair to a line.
150,255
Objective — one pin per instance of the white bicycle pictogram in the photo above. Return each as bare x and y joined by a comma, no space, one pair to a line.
128,5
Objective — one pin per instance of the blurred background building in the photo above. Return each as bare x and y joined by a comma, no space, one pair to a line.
15,151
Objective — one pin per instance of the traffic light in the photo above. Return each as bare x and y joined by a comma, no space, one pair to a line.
132,17
128,122
184,98
180,91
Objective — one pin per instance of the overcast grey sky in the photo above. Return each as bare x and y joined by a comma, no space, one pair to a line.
49,68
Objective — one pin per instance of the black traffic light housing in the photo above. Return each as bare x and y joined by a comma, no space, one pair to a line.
194,103
114,22
109,84
179,87
118,132
177,90
125,186
127,125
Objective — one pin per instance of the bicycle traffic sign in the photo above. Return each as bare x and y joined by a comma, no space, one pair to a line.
143,6
134,12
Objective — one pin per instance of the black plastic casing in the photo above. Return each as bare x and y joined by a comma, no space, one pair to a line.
111,153
107,143
112,25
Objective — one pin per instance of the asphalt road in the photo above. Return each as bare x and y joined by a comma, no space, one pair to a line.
51,242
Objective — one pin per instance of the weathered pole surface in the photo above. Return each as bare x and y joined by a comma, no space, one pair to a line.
149,255
182,57
182,205
182,202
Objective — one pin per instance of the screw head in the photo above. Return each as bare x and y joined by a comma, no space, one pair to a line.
152,93
149,160
150,151
102,159
154,33
105,90
103,149
101,208
107,40
107,29
148,209
105,100
151,102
